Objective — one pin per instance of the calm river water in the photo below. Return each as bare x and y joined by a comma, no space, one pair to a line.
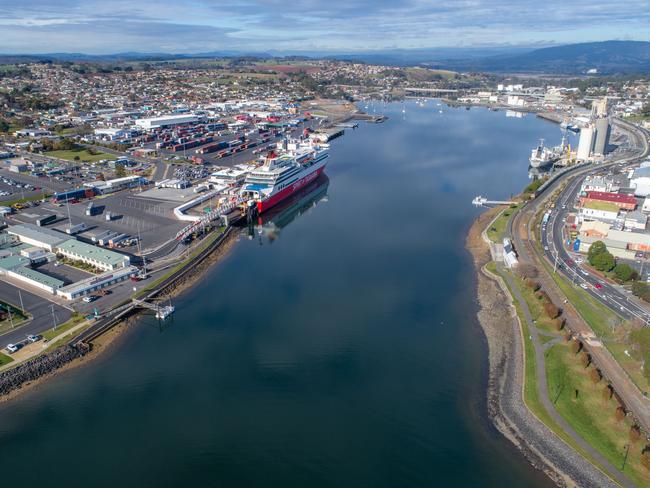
337,347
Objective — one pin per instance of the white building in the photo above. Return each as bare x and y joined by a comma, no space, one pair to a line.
112,133
94,283
640,181
166,121
38,236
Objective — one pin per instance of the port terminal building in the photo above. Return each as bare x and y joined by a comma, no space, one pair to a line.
26,245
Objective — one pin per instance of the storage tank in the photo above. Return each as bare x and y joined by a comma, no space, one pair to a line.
586,142
603,129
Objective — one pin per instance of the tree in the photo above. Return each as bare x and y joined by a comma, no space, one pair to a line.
595,376
585,359
120,172
527,270
603,261
608,391
641,290
558,323
625,272
551,310
645,458
595,249
576,346
619,414
635,433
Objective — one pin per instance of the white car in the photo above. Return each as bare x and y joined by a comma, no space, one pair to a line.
584,285
580,260
12,348
88,298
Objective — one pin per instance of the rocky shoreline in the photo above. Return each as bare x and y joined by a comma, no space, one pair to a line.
29,375
505,399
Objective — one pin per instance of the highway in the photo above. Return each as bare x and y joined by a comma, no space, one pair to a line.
523,239
564,261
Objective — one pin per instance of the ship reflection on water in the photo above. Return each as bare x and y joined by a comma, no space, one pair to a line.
270,224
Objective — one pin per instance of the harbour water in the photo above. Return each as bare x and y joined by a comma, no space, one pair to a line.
337,346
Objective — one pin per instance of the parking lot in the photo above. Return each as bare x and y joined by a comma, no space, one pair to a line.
63,272
131,215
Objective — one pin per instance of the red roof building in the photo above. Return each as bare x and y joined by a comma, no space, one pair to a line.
621,200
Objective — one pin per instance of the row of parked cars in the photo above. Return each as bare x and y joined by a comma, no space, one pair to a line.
12,348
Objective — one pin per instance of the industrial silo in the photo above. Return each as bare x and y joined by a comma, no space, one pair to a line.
586,142
602,136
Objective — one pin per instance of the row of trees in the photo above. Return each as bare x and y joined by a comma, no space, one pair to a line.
601,259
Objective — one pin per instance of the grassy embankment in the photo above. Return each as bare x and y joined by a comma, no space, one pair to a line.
207,241
33,198
604,322
83,154
17,317
73,321
496,231
591,416
4,359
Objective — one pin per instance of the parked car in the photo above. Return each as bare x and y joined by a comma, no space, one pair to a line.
34,338
88,298
598,286
12,348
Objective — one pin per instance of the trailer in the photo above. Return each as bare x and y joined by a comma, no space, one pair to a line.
102,235
105,240
45,219
91,210
113,241
75,229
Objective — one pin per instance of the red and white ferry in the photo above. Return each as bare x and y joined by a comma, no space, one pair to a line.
283,174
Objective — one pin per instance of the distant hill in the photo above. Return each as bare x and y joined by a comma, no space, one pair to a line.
608,57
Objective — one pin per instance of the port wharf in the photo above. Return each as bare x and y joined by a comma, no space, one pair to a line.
45,364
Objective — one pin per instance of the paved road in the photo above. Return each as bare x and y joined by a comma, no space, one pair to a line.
553,241
519,229
542,385
39,308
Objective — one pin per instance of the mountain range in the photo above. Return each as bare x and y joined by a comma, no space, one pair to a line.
606,58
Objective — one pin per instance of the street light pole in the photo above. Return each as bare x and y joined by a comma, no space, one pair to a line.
22,306
53,318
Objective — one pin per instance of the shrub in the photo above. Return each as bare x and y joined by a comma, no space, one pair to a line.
558,323
635,433
619,414
585,359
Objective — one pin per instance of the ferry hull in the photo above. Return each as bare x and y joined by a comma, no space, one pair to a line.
264,205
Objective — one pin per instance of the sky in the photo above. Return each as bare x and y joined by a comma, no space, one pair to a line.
191,26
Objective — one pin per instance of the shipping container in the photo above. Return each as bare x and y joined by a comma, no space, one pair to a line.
45,219
75,229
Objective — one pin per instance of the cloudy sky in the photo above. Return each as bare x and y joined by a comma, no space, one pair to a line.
186,26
